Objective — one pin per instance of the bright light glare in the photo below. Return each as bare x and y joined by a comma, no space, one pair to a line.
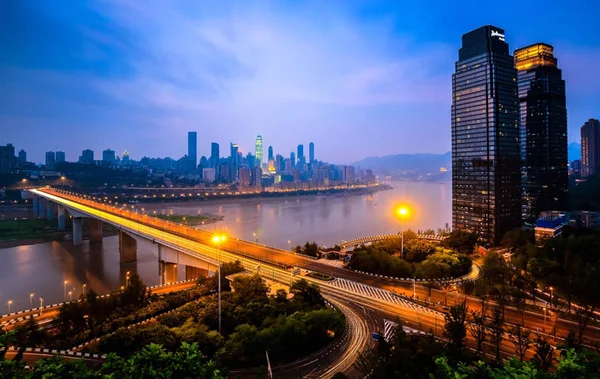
218,238
402,211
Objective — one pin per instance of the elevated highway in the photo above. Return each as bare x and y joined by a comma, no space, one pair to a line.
177,245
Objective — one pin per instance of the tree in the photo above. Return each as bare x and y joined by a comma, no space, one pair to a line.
544,354
478,329
496,327
455,327
250,288
307,293
461,241
520,338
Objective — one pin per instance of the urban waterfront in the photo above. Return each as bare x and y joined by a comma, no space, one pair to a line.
326,220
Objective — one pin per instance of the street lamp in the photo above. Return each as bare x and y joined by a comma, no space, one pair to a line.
9,303
127,279
402,213
83,288
41,305
219,239
551,295
65,290
31,300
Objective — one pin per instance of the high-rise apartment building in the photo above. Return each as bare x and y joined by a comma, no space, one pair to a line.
60,156
301,154
486,180
258,151
22,156
244,176
543,131
590,148
193,150
311,153
108,156
7,157
234,161
50,158
87,156
293,159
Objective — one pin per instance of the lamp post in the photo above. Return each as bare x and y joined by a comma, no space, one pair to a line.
9,303
218,239
551,295
83,288
70,295
41,305
31,300
65,290
402,213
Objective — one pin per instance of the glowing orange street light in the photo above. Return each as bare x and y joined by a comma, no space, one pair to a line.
402,213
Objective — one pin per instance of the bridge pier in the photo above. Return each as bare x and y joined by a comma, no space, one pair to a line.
36,205
50,209
168,272
95,227
77,231
127,248
62,218
42,212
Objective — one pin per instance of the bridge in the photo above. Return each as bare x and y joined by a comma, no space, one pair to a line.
345,245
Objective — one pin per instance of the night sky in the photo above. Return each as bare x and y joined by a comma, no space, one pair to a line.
358,78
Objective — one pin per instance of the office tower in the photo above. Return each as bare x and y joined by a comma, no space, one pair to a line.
300,152
486,180
590,148
270,153
208,175
258,151
311,153
126,160
87,156
192,150
108,156
60,156
256,176
293,159
214,155
234,161
7,157
50,158
279,165
543,131
250,161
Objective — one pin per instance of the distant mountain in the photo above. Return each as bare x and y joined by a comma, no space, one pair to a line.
425,163
574,151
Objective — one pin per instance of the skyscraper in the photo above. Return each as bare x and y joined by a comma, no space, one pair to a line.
590,148
543,131
234,161
60,156
486,180
214,155
108,156
258,151
311,153
7,157
300,152
293,159
270,153
193,149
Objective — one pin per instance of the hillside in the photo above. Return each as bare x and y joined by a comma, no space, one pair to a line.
424,163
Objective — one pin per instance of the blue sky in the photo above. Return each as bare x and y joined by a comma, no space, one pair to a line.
359,78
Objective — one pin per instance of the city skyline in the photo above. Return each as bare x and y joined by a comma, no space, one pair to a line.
396,75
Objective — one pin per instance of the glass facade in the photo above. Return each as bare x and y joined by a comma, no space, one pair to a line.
543,131
486,179
258,150
590,148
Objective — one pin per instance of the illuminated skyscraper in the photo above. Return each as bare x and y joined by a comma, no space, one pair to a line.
258,151
590,148
234,160
486,180
543,131
270,153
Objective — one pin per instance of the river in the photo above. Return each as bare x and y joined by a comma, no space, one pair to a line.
41,269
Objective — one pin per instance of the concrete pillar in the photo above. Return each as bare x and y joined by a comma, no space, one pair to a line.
127,248
95,227
77,231
62,218
42,213
50,209
36,205
168,272
192,272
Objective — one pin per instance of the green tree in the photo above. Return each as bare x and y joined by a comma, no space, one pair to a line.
307,293
461,241
455,327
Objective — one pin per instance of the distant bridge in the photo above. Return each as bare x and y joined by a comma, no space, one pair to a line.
345,245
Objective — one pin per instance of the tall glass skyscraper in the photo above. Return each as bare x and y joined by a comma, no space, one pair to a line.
258,151
311,153
543,131
486,179
214,155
